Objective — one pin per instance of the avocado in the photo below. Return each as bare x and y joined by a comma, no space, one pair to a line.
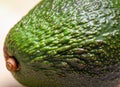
66,43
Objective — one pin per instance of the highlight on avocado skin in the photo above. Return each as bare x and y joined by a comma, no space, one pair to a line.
66,43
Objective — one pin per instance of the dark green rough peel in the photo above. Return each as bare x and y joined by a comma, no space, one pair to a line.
68,43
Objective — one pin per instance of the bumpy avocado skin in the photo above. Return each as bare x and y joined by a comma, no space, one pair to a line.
68,43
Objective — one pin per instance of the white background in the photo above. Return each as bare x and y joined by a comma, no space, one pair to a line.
11,11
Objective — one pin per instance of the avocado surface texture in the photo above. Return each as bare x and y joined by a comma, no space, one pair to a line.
67,43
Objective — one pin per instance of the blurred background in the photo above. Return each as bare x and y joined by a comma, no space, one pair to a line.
11,11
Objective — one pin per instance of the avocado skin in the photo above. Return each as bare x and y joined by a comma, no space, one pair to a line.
68,43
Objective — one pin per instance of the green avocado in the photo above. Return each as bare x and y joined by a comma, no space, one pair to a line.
66,43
